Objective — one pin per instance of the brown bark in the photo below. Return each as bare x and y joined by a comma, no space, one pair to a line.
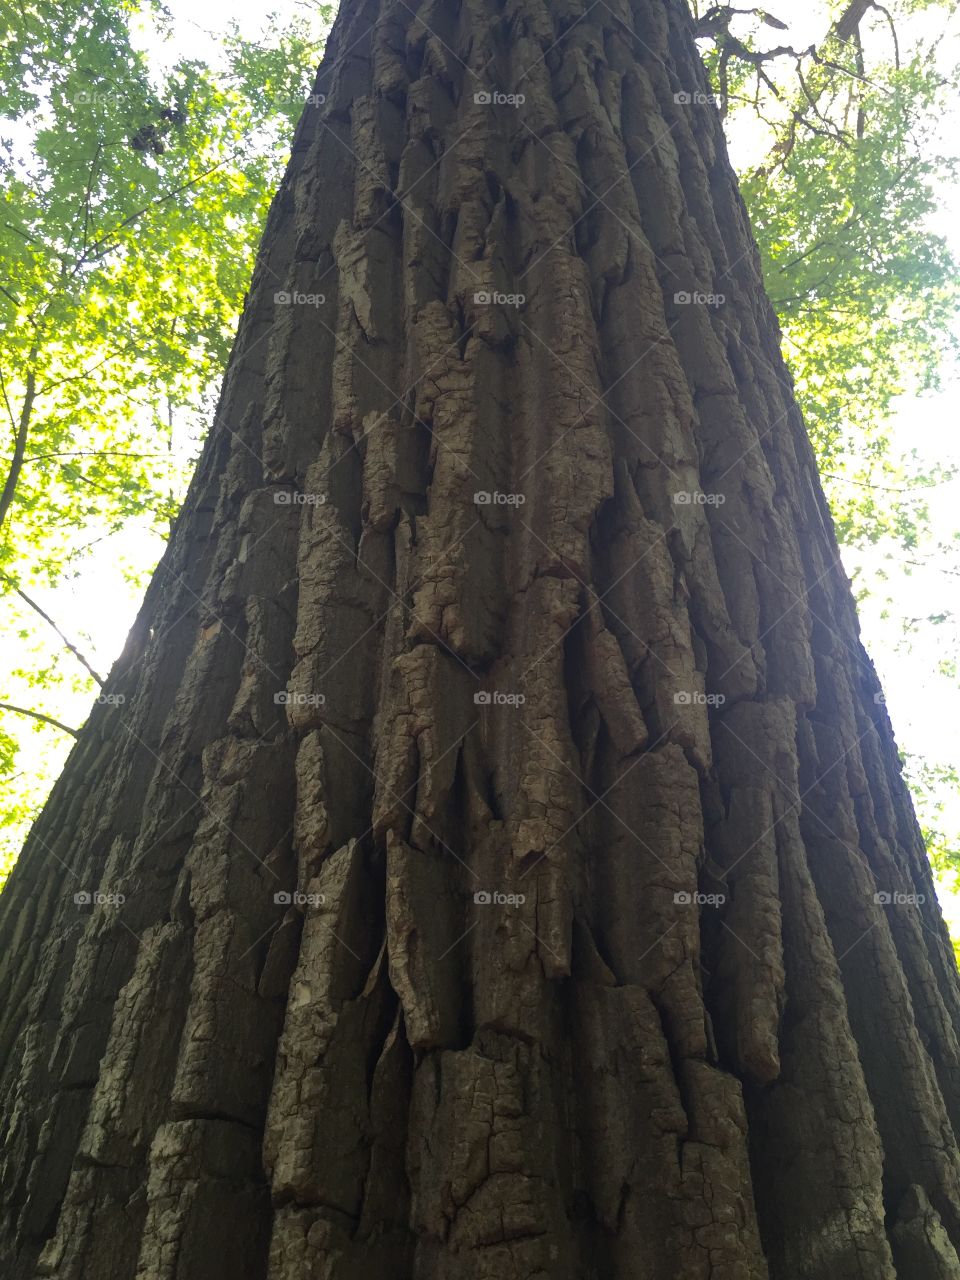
849,21
22,431
698,1046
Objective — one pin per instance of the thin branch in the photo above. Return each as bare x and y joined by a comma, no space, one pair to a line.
16,302
893,31
914,490
719,17
6,401
20,442
50,622
39,715
91,453
72,473
20,232
86,201
78,377
923,564
861,68
102,246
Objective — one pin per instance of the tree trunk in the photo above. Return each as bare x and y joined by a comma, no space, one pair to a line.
509,888
849,21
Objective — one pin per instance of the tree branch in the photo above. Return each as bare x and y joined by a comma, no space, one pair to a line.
914,490
6,401
90,453
893,31
50,622
84,373
39,715
20,442
849,21
102,246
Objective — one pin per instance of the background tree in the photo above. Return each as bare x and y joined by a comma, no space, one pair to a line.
490,856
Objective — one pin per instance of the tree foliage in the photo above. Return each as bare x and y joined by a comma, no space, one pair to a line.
133,197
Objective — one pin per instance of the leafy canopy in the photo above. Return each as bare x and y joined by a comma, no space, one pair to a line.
133,197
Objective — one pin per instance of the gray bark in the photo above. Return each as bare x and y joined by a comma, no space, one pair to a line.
301,1045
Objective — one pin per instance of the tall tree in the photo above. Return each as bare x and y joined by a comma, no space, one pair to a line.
489,856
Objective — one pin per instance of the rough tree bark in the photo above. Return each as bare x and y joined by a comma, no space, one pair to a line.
684,1038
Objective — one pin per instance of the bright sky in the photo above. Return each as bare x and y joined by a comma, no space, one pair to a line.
924,706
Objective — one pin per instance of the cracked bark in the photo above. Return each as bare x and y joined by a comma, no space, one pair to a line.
412,978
